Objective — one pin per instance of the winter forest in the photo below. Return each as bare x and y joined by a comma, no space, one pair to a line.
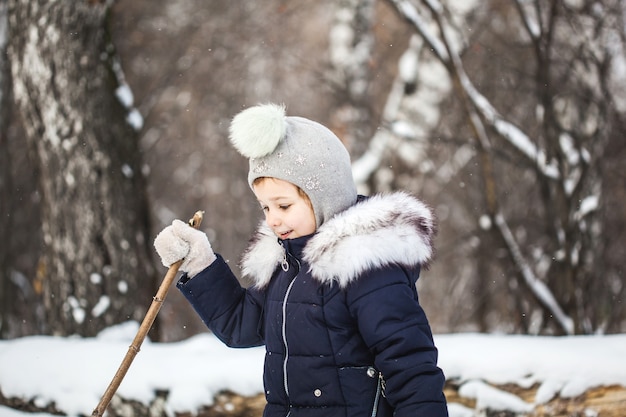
506,116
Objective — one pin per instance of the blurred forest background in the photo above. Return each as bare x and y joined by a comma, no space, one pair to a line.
506,116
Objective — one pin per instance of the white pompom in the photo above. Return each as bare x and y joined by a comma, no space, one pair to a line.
256,131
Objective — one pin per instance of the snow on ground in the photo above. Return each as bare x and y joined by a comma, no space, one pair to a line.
74,372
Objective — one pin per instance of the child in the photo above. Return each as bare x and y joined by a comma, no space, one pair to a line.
334,298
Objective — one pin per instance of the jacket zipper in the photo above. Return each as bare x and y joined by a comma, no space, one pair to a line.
284,329
379,390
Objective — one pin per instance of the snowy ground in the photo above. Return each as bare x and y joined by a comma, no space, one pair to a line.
74,372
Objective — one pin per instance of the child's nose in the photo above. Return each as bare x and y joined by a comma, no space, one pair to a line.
272,219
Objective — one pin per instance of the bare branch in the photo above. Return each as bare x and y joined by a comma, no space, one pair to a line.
480,111
540,290
479,108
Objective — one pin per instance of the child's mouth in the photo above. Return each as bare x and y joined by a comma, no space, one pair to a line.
284,235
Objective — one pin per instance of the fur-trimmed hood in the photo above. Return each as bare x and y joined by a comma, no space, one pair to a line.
380,230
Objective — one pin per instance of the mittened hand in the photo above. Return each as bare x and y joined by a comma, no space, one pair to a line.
181,241
170,247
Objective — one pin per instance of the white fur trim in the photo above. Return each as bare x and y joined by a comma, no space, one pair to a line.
262,257
381,230
256,131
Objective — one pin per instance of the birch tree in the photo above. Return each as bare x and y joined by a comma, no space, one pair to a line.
351,44
96,267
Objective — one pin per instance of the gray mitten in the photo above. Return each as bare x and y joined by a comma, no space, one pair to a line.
181,241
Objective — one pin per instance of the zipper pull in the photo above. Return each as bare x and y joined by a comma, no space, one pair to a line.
383,384
284,264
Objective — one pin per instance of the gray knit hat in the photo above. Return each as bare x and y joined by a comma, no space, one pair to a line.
297,150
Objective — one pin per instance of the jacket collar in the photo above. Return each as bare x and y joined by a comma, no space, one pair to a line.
377,231
295,247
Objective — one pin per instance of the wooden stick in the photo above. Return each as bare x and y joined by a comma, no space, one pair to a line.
146,324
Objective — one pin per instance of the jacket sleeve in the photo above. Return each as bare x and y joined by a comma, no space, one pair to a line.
394,326
231,312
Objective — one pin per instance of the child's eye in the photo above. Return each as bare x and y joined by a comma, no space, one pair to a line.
264,208
284,206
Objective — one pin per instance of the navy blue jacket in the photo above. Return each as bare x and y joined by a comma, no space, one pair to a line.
338,313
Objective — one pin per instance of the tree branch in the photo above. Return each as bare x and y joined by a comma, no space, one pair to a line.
479,110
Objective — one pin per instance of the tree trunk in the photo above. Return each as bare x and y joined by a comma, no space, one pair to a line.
95,267
5,170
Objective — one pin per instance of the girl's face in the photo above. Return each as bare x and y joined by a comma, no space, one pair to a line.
288,211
